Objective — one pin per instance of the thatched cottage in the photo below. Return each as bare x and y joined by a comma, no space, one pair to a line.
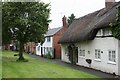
89,42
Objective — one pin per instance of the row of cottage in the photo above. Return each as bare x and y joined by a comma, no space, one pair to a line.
87,42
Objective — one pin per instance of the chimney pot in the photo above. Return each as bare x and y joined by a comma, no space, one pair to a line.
108,3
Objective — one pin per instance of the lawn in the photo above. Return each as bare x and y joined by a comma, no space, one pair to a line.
37,69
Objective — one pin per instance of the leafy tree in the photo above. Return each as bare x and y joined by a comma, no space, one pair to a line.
71,18
25,22
116,28
0,24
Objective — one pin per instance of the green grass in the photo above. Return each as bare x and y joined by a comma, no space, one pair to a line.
37,69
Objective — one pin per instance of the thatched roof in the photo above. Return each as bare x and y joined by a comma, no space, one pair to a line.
86,27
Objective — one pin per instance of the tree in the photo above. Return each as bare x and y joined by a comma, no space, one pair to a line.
116,28
71,18
25,22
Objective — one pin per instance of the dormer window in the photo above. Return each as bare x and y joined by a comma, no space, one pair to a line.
104,32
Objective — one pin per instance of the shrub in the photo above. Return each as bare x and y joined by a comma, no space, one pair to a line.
49,56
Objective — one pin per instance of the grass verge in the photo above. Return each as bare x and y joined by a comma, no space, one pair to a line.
37,69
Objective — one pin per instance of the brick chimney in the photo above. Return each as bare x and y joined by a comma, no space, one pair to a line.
64,20
108,3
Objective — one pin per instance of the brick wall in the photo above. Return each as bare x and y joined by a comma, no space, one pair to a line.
30,47
57,46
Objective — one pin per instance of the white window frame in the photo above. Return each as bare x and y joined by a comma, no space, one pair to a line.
112,56
48,39
98,54
81,52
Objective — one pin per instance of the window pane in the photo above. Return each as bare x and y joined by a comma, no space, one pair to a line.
109,51
95,55
103,32
110,56
83,52
98,55
99,33
106,32
95,51
98,51
48,39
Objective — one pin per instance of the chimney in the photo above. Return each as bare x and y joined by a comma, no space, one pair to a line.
108,3
64,20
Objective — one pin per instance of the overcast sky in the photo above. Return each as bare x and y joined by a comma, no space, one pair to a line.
59,8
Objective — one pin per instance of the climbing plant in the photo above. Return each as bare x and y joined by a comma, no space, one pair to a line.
116,28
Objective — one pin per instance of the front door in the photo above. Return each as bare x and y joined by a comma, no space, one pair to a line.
73,53
76,54
41,52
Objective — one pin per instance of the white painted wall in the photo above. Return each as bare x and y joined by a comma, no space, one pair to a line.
38,49
119,58
64,56
44,45
104,44
48,44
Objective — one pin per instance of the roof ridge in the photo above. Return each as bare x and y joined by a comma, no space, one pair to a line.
52,31
89,14
54,28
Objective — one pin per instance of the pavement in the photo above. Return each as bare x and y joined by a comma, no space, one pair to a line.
81,68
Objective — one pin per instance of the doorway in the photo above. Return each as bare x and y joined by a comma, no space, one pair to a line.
73,53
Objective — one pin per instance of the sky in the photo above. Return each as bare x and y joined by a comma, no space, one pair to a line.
59,8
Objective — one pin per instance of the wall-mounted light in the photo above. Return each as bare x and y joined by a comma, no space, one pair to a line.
101,51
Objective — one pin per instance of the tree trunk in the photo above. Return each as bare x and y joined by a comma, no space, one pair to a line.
21,58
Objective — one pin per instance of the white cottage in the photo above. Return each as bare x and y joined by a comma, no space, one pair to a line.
89,42
47,47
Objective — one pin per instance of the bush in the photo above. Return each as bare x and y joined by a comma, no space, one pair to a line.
49,56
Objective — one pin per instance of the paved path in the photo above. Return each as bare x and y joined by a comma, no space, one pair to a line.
84,69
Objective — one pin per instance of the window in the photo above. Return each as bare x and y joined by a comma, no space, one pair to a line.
104,32
48,39
97,54
99,33
82,53
38,48
48,50
112,56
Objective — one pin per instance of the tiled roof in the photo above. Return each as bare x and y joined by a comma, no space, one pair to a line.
53,31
